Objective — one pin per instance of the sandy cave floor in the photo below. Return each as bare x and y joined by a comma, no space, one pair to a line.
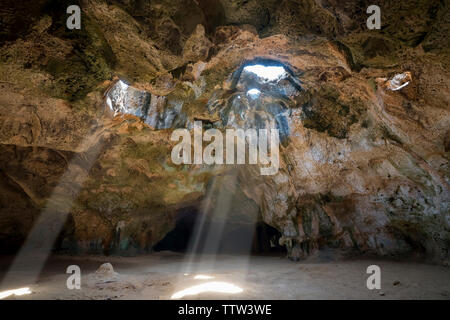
160,275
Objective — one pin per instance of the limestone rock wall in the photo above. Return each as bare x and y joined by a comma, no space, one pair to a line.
364,169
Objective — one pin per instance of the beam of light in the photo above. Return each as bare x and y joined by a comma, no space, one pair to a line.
41,239
218,287
15,292
207,238
219,218
270,73
254,93
194,243
203,277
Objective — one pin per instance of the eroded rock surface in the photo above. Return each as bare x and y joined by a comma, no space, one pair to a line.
363,167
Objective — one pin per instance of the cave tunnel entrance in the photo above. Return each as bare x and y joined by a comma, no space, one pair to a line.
259,238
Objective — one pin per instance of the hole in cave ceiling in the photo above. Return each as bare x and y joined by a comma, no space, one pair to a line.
268,73
264,94
266,78
253,93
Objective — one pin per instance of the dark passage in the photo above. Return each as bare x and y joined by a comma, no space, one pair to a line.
178,239
235,238
266,239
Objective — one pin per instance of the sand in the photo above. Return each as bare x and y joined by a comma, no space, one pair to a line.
160,275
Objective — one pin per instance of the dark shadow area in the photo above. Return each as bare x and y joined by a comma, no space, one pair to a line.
178,239
266,240
243,239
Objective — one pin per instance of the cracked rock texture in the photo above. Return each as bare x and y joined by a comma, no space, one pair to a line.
363,169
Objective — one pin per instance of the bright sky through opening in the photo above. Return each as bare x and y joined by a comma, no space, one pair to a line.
266,72
254,93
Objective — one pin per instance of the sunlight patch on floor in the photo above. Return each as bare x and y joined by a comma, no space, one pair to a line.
203,277
215,287
15,292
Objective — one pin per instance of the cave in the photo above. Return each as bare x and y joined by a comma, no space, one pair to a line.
265,239
224,149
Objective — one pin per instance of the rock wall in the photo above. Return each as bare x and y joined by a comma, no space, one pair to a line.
363,168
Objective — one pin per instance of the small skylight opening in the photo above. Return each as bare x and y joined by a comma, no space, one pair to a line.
269,73
254,93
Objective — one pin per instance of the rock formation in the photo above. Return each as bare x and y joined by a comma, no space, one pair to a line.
86,118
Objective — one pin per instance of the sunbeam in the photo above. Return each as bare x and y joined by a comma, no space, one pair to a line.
39,244
203,277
